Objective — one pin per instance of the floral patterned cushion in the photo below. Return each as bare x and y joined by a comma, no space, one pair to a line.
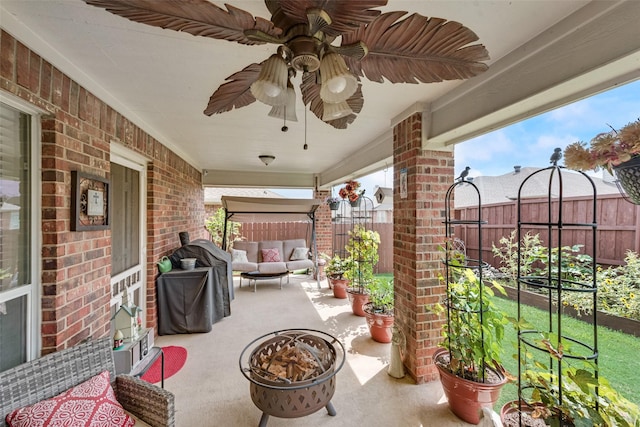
89,404
270,255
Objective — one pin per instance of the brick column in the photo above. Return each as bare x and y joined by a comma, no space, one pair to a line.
418,232
323,223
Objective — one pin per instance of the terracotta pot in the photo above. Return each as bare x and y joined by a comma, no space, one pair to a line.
467,398
380,325
340,288
510,408
358,300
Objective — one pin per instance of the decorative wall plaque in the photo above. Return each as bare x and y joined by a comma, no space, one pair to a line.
90,196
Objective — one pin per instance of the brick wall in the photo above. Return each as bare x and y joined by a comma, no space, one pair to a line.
418,232
76,135
323,224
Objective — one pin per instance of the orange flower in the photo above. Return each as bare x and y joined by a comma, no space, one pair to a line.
351,191
606,149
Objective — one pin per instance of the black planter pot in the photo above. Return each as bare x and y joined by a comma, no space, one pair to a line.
628,174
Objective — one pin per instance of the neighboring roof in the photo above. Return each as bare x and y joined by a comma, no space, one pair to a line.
503,188
212,195
261,209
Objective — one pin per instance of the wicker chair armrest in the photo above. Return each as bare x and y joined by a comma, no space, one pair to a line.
152,404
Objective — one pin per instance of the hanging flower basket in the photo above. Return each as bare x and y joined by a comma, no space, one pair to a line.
628,174
334,206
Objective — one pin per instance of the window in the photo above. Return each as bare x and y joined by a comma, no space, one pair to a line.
17,245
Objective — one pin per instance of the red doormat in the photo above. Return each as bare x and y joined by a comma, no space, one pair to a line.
174,359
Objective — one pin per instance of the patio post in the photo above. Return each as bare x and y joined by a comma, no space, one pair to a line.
421,179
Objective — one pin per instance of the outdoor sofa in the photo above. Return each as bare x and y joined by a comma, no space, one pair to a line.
271,256
57,372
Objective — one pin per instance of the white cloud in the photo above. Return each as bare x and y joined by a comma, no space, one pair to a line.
531,142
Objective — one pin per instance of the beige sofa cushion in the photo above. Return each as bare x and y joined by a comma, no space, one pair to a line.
272,267
288,246
250,250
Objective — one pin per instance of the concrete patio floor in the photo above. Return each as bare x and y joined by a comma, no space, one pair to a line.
210,390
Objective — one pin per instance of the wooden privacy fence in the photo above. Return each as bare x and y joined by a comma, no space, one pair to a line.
258,231
618,226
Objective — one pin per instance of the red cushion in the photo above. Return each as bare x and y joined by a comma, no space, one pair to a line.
270,255
91,403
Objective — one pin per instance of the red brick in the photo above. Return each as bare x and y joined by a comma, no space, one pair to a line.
22,65
7,55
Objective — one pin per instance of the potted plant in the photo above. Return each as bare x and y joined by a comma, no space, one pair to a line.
578,398
618,150
363,252
379,310
335,269
469,361
351,192
333,202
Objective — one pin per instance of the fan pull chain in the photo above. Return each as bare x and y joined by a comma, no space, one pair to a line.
305,146
284,127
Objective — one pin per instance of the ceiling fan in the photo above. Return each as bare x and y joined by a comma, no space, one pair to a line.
373,44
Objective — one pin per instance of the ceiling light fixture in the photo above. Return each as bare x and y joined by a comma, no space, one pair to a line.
266,158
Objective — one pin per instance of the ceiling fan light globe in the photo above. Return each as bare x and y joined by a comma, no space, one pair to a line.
338,84
288,110
271,90
271,85
334,111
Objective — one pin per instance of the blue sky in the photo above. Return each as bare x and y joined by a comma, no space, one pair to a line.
530,143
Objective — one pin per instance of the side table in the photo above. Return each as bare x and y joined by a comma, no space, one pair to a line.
145,364
256,275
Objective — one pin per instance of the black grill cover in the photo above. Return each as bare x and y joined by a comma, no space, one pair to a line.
208,254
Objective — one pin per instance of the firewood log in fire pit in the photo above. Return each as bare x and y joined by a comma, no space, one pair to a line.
294,362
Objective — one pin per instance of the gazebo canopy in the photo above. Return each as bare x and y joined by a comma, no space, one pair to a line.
265,209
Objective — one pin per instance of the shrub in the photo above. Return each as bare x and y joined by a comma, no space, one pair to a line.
215,226
507,253
618,290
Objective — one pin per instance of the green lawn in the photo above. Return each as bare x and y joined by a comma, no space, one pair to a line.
619,353
385,276
618,360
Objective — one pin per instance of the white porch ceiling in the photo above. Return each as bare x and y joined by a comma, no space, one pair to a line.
544,54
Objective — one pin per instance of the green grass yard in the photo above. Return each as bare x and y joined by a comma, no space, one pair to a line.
619,353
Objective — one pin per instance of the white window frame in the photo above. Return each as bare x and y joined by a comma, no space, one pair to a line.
31,290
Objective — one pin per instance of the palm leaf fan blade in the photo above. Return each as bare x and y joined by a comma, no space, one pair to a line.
236,93
417,49
196,17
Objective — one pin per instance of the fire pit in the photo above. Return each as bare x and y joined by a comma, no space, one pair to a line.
292,372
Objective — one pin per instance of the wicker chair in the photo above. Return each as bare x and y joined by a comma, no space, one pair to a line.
54,373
